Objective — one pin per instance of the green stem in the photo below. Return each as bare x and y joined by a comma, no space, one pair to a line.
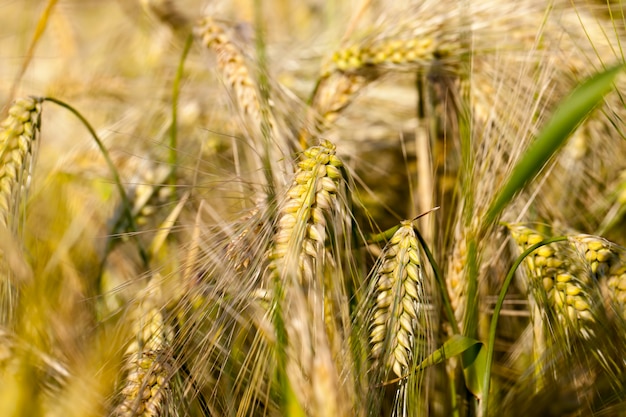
496,314
264,90
173,156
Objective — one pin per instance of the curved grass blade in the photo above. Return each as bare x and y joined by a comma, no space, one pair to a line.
454,346
496,314
571,112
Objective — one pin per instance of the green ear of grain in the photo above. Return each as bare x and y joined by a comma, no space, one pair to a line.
571,113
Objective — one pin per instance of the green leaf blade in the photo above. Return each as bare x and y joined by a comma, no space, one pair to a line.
567,117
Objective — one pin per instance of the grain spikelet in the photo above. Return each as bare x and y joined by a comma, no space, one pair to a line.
398,327
394,53
146,385
18,133
302,219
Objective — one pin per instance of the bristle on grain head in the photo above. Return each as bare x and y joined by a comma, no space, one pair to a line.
18,133
398,323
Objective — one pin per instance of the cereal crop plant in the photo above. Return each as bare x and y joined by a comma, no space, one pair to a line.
312,208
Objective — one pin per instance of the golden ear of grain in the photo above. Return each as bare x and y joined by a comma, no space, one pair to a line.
302,263
257,113
607,262
232,64
560,283
386,53
148,368
301,231
398,319
18,132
